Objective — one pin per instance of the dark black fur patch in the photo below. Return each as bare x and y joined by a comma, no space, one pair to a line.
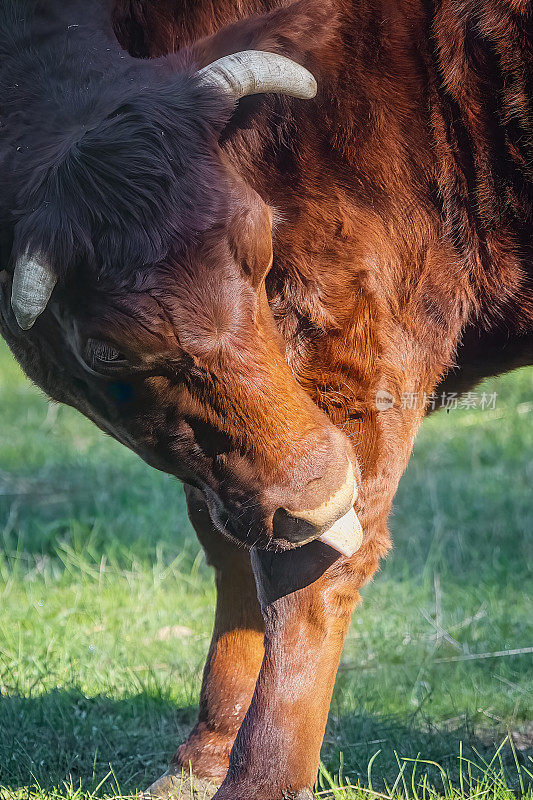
103,159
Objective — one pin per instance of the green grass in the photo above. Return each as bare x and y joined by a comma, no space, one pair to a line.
106,608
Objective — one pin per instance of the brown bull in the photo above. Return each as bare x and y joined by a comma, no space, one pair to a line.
241,283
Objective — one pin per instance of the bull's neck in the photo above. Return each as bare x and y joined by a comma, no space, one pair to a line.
352,179
355,165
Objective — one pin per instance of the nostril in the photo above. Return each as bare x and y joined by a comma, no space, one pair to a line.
293,529
306,518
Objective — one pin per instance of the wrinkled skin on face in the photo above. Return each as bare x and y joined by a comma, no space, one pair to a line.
183,364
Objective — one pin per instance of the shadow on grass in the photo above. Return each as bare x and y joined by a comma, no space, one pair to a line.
373,749
63,736
105,508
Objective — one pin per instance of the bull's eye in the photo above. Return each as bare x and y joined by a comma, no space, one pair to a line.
102,354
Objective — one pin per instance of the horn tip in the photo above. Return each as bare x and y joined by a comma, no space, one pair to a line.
312,90
33,284
24,319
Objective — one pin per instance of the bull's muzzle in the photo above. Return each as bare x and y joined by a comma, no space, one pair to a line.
334,522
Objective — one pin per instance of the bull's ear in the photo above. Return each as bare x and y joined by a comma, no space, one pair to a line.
304,31
250,237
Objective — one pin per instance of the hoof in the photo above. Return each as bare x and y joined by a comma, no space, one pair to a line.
176,784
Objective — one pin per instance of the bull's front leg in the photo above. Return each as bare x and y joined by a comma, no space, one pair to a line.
307,597
231,670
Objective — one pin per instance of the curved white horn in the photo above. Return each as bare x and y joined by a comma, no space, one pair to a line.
259,72
33,283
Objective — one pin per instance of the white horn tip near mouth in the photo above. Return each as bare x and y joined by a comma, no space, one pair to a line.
346,535
33,284
260,72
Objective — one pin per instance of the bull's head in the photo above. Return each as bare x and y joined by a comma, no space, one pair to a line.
137,293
